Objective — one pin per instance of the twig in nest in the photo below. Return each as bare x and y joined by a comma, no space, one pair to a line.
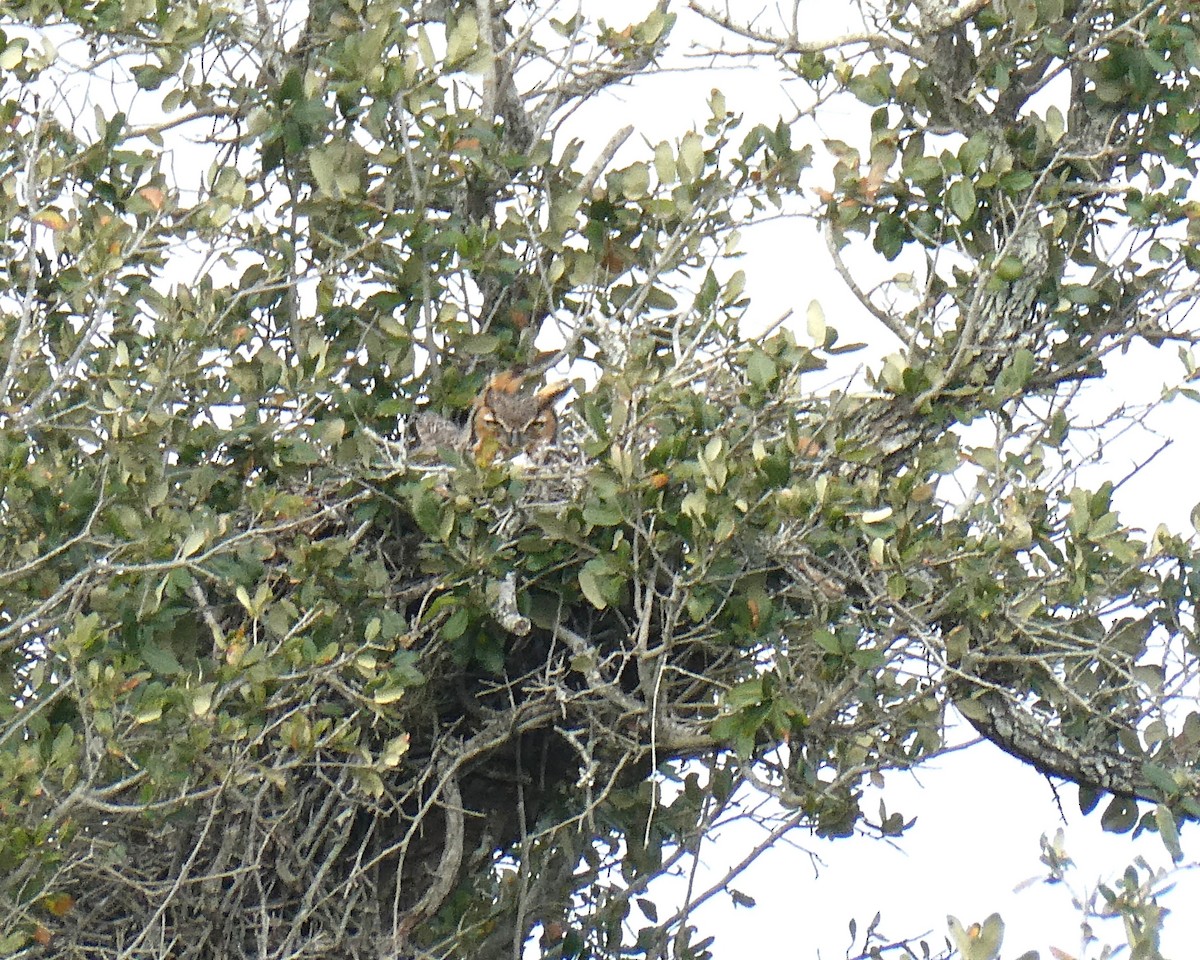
502,596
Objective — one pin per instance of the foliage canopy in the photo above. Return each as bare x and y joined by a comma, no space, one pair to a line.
282,683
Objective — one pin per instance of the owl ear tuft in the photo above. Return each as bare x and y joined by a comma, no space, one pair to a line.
551,392
507,381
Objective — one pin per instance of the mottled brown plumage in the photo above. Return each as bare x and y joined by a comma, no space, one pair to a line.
509,419
434,433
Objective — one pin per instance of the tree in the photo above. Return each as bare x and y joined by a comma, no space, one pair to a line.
284,681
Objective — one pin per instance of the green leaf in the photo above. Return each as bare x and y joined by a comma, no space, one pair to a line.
594,582
656,25
1056,124
827,641
699,604
748,693
635,181
462,39
1168,829
979,941
388,695
991,938
867,90
971,709
761,370
1078,293
148,77
973,152
921,169
83,633
457,624
1120,815
425,48
194,541
1016,374
12,54
1161,779
432,514
664,163
160,660
1088,798
961,197
1025,16
149,711
1010,268
691,157
815,321
1017,181
602,514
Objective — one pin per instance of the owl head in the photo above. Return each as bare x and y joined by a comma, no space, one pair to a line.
436,433
508,419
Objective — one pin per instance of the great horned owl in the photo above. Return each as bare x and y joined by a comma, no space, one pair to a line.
508,420
435,432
